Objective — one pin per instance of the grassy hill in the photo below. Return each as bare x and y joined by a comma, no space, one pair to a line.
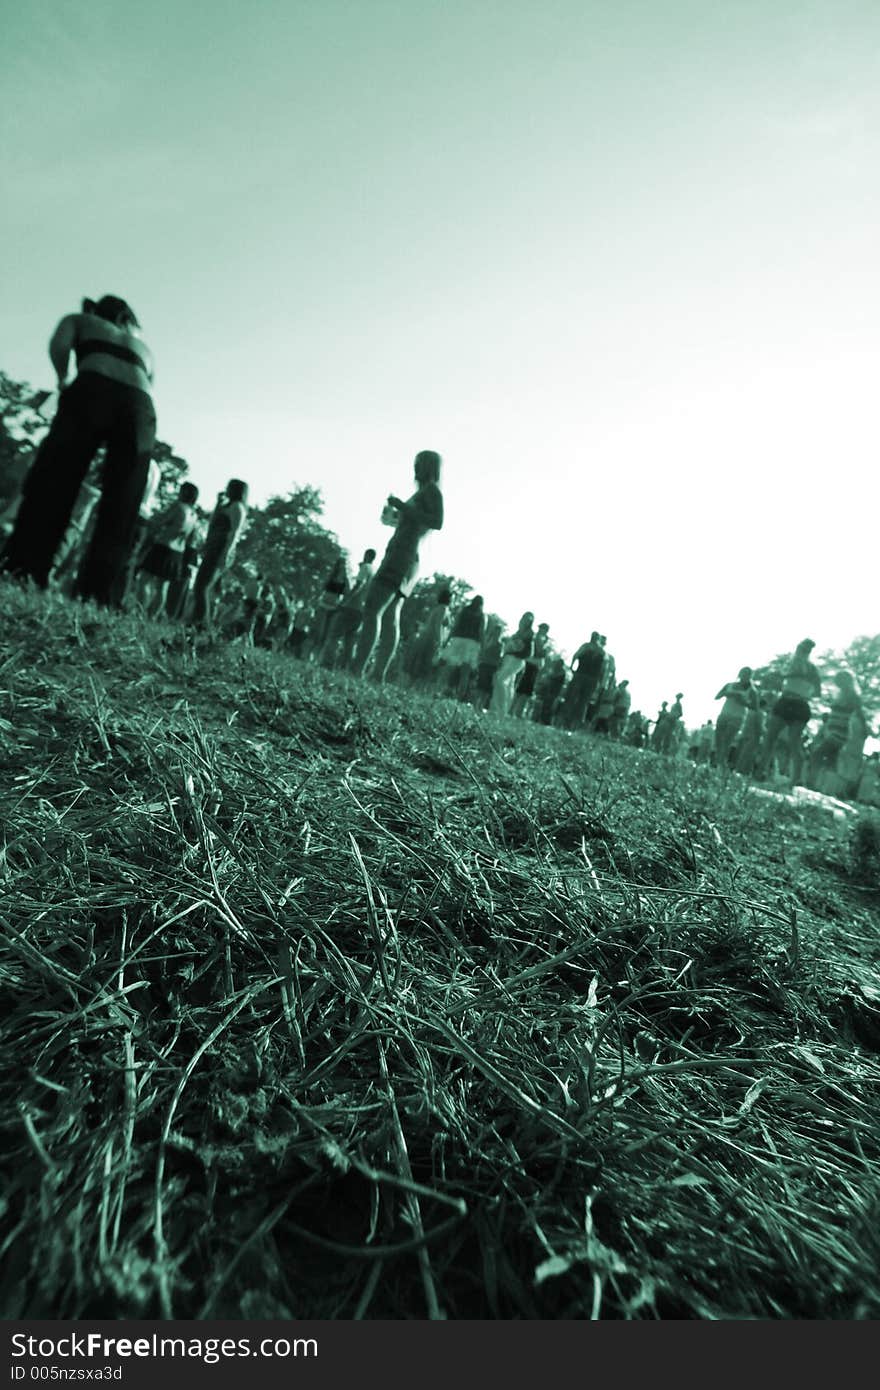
331,1001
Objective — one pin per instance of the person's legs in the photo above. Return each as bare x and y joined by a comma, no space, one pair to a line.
51,487
200,605
378,597
389,636
726,731
796,752
131,435
775,726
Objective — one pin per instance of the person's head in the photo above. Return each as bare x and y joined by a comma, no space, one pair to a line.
594,637
236,490
602,639
444,596
189,494
804,648
679,695
543,628
427,466
526,621
846,682
476,602
113,309
745,674
369,556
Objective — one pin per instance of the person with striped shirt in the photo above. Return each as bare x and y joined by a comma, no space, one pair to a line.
109,402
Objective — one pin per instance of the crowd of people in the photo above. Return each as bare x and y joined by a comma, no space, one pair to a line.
101,538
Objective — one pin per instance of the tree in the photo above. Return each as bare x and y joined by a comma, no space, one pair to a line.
288,544
174,470
21,429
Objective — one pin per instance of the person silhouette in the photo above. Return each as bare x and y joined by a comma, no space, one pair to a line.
396,575
109,402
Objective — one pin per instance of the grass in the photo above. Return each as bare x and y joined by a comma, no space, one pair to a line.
323,1000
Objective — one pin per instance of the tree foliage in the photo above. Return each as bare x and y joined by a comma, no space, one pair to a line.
289,545
21,429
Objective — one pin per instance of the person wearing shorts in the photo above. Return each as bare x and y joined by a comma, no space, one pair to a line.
461,655
791,713
162,557
396,575
338,648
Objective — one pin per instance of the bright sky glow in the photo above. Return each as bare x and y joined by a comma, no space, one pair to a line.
617,261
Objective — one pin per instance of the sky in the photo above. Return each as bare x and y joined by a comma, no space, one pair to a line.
616,261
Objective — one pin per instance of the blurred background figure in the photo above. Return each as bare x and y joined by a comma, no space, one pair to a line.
109,402
549,688
739,697
587,666
224,530
490,660
791,713
524,689
331,600
835,755
620,709
424,651
338,647
161,562
516,651
461,655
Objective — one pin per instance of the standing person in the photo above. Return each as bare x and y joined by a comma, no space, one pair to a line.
659,735
338,647
525,685
751,736
395,577
179,589
109,402
668,731
224,529
791,712
845,727
421,659
461,655
162,559
490,660
331,600
739,697
587,665
620,709
549,689
516,651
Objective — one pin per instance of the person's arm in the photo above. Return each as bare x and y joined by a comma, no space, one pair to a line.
721,693
61,345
